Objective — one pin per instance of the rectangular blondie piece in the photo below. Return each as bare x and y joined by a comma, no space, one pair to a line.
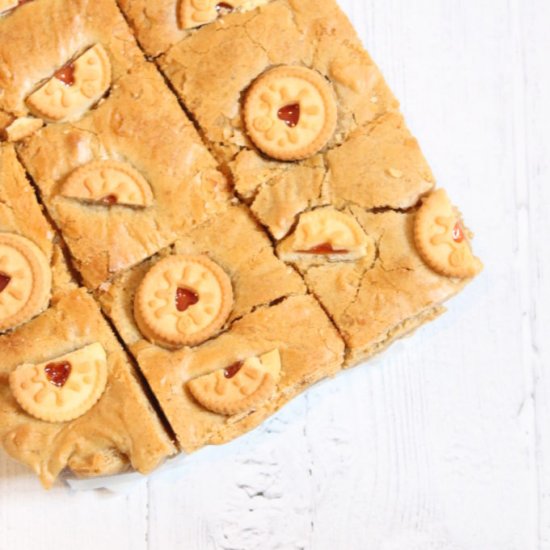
120,431
139,149
296,330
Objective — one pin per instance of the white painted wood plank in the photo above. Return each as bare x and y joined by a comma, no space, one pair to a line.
32,519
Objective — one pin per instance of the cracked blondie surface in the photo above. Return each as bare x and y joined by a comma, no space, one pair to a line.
231,188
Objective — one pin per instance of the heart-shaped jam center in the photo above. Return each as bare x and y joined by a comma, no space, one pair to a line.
233,369
185,298
222,7
290,114
58,373
4,281
109,200
324,248
66,74
458,233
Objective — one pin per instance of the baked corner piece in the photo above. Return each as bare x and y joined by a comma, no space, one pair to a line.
48,367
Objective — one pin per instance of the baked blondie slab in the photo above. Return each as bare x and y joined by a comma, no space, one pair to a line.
69,397
124,179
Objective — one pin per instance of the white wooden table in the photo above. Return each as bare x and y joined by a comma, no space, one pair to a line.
442,444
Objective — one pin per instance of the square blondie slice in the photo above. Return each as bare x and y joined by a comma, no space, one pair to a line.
234,246
33,270
58,58
160,24
223,388
48,367
378,289
121,182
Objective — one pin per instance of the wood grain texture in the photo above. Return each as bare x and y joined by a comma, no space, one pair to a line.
444,442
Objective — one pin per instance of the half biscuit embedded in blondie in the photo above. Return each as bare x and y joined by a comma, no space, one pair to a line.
120,431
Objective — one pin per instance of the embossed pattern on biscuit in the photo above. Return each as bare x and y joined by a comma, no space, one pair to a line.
329,233
25,280
108,182
74,88
239,387
194,13
442,239
183,300
64,388
290,112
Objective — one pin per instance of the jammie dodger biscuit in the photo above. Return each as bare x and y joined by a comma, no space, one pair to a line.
328,233
74,88
183,300
239,387
65,387
290,112
25,280
108,182
442,239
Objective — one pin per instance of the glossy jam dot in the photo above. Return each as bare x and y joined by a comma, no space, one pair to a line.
290,114
458,233
223,7
185,298
233,369
109,200
4,281
66,74
325,248
58,373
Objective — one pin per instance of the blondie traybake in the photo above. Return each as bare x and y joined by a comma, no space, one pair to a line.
205,208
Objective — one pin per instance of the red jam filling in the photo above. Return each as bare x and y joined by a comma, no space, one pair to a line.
290,114
58,373
185,298
66,74
4,281
109,200
233,369
458,233
222,7
325,248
